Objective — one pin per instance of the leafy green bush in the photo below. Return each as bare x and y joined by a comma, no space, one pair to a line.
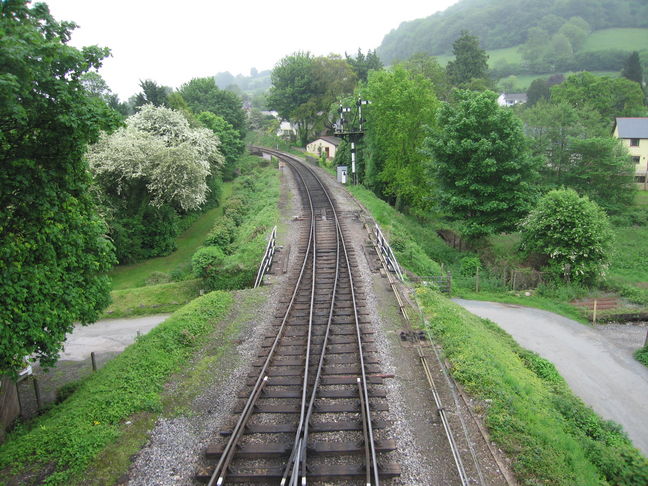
572,232
222,234
206,260
235,208
642,355
469,266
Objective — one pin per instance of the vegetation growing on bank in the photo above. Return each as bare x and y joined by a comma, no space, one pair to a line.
68,437
233,249
552,437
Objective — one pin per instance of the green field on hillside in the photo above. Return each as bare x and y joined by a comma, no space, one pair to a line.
623,38
626,39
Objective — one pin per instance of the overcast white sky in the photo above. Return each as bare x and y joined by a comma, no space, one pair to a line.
172,42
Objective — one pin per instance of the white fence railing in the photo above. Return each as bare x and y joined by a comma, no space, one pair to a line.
267,257
387,253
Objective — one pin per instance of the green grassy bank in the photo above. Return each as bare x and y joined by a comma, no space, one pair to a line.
550,435
57,447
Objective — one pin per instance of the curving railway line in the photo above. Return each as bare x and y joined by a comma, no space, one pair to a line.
313,410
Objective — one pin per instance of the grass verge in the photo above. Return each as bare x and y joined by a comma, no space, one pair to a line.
58,446
153,299
518,298
552,436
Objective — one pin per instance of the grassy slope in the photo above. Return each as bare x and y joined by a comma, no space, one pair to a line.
552,437
626,39
135,275
67,438
152,299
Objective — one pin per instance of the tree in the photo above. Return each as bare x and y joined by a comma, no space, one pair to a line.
402,106
610,97
231,146
534,48
601,168
202,94
149,172
428,67
538,90
362,64
53,250
471,61
572,233
551,126
632,69
152,94
97,87
576,30
483,168
303,88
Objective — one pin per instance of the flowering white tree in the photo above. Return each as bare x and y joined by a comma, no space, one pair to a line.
158,151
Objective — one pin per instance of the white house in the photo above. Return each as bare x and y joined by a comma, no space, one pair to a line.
510,99
633,132
327,145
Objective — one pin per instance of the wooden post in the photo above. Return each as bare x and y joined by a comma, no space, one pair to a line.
514,275
39,404
594,313
94,361
477,280
646,341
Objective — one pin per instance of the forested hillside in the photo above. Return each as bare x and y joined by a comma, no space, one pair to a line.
506,23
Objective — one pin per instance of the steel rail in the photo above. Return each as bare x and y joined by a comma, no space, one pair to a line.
299,453
364,388
291,469
217,477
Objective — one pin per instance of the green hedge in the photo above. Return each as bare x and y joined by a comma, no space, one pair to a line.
69,436
551,435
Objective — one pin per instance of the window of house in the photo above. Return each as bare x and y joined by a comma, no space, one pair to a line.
640,179
634,142
636,159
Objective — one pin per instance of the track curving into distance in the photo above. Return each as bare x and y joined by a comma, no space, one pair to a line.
311,412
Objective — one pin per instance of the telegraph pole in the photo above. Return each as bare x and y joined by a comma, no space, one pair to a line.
349,127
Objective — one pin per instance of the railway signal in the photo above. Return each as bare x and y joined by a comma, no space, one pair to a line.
349,127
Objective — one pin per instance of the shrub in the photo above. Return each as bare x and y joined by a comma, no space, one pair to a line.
572,232
234,209
207,260
469,266
222,234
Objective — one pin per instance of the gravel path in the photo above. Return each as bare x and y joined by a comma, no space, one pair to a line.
596,362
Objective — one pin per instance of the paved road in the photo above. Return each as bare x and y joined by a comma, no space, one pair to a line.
106,336
599,369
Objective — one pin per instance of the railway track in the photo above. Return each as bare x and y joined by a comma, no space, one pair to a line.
313,409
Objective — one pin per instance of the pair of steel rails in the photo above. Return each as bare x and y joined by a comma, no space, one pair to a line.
295,470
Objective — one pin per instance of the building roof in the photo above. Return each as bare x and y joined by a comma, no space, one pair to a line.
632,127
333,140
